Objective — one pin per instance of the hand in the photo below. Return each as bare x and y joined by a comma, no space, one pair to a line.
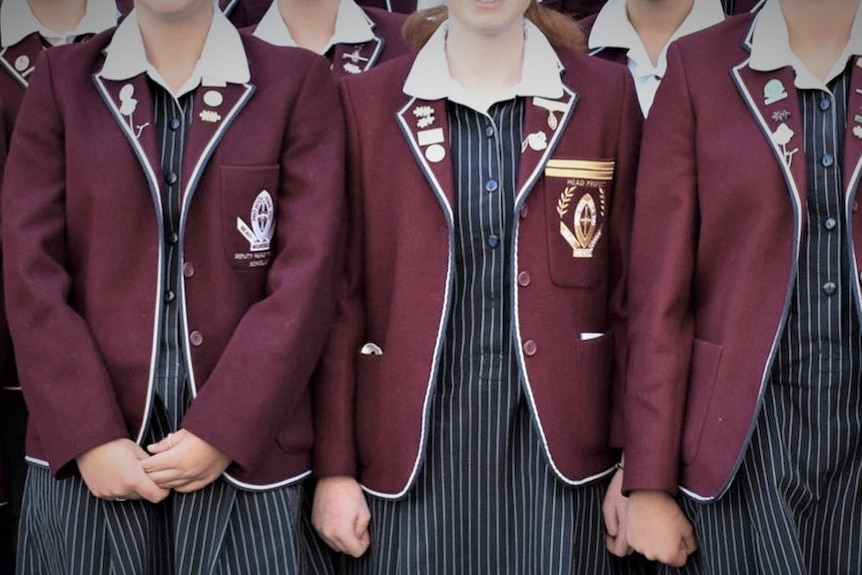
615,510
341,516
658,529
113,471
184,462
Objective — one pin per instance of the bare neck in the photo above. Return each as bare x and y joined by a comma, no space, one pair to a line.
469,52
311,22
58,15
174,45
655,21
819,30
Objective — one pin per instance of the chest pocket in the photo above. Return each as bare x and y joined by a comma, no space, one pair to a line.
249,202
577,199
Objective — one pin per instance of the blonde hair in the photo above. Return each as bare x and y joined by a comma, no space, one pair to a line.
561,30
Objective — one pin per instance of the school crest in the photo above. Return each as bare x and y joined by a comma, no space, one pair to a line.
582,204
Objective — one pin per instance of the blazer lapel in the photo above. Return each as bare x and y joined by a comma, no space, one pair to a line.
131,104
425,126
214,110
350,59
773,102
853,137
19,60
544,122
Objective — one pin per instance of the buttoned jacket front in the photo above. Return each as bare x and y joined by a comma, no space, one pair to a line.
721,205
568,309
84,232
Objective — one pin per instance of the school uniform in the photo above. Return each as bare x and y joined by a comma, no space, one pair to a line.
577,9
178,252
744,371
363,37
22,39
470,380
242,13
610,35
399,6
732,7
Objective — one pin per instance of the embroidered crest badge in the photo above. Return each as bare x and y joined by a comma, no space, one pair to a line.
582,205
259,234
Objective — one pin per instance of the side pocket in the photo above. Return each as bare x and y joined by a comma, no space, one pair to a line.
705,360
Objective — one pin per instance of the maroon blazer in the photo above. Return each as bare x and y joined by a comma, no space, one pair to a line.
14,81
577,9
242,13
373,409
400,6
83,236
716,238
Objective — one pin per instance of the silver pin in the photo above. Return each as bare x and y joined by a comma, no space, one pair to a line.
857,131
780,116
354,56
773,92
857,118
210,116
537,141
782,136
435,153
22,62
352,68
213,99
425,115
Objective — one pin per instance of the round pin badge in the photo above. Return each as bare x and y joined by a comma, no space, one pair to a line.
213,99
22,62
435,153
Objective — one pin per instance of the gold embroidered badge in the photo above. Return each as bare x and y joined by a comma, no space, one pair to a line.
585,187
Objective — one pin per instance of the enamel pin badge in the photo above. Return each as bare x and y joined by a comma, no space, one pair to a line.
431,139
773,92
128,105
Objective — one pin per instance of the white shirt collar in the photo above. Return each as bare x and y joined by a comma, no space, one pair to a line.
17,21
222,60
612,29
429,77
352,26
770,47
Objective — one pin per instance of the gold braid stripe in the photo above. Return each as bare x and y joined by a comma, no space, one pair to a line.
581,169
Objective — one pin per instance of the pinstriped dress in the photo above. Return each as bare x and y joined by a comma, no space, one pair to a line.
485,500
795,506
216,530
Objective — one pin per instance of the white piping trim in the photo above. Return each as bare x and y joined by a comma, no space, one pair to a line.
252,487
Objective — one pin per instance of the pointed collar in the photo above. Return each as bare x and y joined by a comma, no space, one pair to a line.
222,60
612,29
429,77
352,26
17,21
770,47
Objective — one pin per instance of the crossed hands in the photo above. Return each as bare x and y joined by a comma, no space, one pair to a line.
121,469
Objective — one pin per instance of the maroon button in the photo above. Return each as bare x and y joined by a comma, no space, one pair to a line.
196,338
524,279
188,269
855,206
530,348
523,211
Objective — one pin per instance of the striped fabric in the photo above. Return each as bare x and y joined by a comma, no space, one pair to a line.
216,530
486,501
795,506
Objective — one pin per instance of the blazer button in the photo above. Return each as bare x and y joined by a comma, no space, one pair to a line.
196,338
522,213
530,348
524,279
188,270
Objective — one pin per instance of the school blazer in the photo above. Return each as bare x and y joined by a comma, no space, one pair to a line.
83,234
721,202
578,163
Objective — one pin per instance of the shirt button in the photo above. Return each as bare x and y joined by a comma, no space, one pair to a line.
830,223
173,238
175,124
530,348
171,178
170,296
825,104
196,338
491,186
826,160
524,279
493,241
188,269
489,131
829,288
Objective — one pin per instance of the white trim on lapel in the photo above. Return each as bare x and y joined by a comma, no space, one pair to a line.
11,69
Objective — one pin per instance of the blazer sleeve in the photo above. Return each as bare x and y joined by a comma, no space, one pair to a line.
662,266
66,385
278,341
